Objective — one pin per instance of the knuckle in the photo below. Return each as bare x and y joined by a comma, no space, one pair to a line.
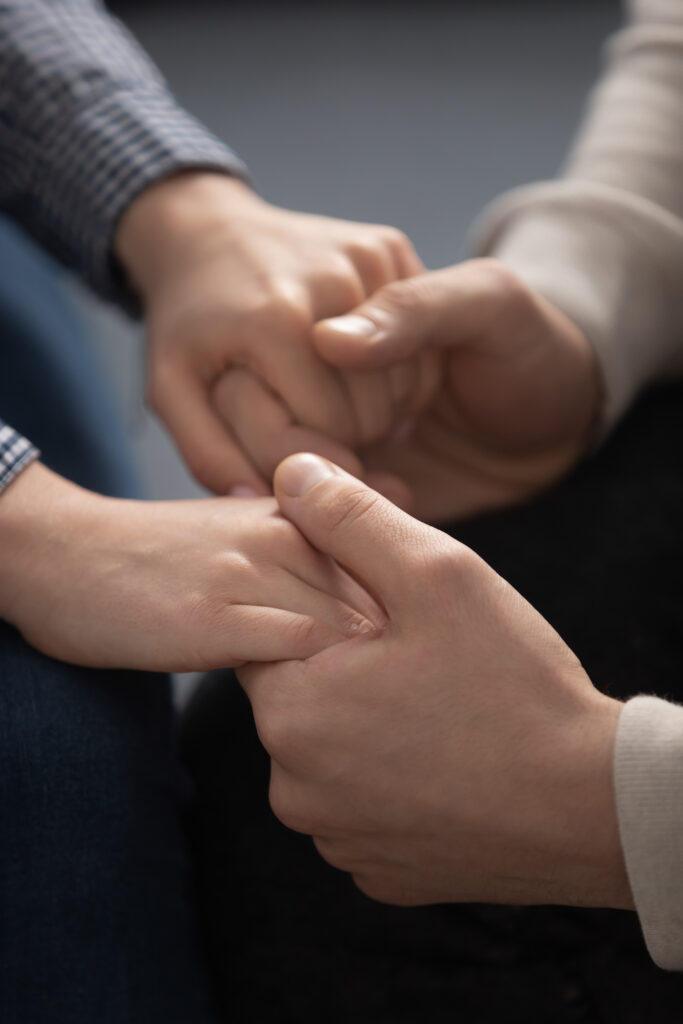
272,723
449,563
341,276
395,239
370,887
334,853
408,296
504,283
382,890
368,253
235,569
287,805
347,509
280,310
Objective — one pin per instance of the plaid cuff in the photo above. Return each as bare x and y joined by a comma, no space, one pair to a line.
15,454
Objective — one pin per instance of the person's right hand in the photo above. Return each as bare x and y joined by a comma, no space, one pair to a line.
457,753
231,287
520,385
175,586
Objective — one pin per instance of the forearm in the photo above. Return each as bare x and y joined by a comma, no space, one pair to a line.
605,242
39,514
87,125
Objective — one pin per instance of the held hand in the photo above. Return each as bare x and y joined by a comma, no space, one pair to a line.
176,586
520,385
230,282
460,752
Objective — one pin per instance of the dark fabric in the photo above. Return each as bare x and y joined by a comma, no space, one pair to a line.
97,919
290,938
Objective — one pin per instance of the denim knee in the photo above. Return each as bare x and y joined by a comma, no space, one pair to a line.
95,894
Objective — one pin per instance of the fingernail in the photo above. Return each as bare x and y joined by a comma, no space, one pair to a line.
359,326
242,491
299,473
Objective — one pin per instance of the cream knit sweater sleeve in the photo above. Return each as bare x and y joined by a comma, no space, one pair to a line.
605,241
648,768
605,244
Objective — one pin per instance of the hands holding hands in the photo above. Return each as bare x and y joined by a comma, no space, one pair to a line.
426,725
175,586
457,753
253,355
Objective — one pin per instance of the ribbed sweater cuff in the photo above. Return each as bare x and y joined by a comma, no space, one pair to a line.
649,787
609,260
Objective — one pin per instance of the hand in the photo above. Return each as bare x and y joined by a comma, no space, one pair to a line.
176,586
459,752
520,385
230,282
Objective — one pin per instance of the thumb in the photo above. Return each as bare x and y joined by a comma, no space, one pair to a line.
389,327
443,308
344,518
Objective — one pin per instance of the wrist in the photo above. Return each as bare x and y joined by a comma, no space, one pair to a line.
585,832
42,515
176,217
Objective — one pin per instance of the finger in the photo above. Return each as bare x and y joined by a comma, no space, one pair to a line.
263,634
391,487
407,263
311,389
335,288
321,576
288,588
183,403
264,427
428,370
401,259
374,263
442,309
344,518
372,400
402,384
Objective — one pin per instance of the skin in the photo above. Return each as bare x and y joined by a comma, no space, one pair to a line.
226,281
231,283
519,395
176,586
456,753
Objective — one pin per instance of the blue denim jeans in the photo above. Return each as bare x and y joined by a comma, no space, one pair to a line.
97,917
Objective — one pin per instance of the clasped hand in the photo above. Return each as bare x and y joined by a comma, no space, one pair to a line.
272,332
458,752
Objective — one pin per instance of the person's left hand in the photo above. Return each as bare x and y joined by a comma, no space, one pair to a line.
520,385
459,753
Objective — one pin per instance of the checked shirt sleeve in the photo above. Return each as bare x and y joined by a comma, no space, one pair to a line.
15,454
86,123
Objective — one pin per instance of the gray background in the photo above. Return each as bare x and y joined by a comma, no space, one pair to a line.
415,115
